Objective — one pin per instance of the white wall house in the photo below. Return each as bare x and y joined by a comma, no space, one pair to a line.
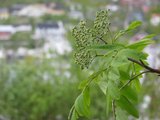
7,28
22,28
54,36
15,28
32,11
6,31
50,29
15,8
38,10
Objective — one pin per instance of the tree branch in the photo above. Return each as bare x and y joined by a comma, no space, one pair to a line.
141,63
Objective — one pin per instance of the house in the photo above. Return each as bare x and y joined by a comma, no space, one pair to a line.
6,32
45,30
14,9
55,9
4,13
5,35
21,52
36,10
22,28
53,34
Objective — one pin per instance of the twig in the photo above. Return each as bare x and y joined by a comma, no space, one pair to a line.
70,113
113,109
102,40
98,55
141,63
133,79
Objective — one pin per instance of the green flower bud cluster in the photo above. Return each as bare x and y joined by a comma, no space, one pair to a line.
101,24
82,35
86,37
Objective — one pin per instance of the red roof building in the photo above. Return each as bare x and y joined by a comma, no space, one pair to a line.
5,35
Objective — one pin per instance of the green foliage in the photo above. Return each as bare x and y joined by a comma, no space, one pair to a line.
23,39
125,104
120,114
31,89
82,103
116,76
38,89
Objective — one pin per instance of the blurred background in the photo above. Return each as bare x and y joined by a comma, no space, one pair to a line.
38,77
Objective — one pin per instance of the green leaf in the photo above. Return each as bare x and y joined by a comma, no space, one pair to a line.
84,83
119,60
137,84
122,57
130,53
86,96
125,104
124,71
108,104
140,45
130,94
113,74
82,104
150,36
133,25
103,86
121,114
113,90
74,115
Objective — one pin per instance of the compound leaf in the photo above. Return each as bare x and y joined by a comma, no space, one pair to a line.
140,45
121,114
130,94
125,104
133,25
113,90
82,104
74,115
